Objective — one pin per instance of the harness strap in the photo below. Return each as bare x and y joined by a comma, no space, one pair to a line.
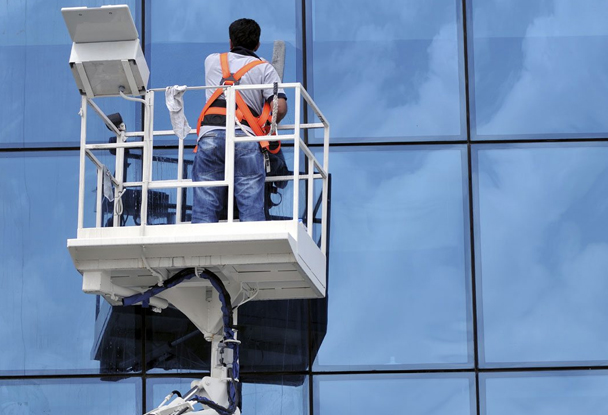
239,74
210,101
249,117
222,111
225,67
257,124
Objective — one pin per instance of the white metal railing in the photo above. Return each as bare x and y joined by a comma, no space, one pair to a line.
315,169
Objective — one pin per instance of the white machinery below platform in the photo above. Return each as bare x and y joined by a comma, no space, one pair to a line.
204,270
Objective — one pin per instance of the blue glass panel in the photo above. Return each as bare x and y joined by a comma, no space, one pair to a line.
542,253
556,393
40,98
428,394
70,396
178,46
538,68
388,70
398,278
261,395
48,325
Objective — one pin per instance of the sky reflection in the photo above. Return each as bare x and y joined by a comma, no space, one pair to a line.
539,68
398,273
542,253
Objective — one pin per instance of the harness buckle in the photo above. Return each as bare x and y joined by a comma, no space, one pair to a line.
230,80
266,161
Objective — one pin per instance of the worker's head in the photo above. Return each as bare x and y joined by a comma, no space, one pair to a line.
245,33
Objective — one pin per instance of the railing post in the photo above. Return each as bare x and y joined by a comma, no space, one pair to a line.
229,158
180,177
99,197
83,144
119,176
296,154
325,189
147,150
310,196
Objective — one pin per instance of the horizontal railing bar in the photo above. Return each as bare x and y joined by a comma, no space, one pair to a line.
238,87
172,184
245,139
112,146
303,176
188,183
193,131
246,87
132,184
303,126
193,88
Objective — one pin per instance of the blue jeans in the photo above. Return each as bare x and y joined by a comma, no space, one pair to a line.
249,178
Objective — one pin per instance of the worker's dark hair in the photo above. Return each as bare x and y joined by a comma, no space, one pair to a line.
245,33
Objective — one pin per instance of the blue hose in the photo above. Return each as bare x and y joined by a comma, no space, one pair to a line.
227,318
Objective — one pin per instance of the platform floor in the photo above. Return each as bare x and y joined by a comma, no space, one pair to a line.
278,258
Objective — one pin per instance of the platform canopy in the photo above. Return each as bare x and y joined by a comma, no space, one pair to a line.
106,56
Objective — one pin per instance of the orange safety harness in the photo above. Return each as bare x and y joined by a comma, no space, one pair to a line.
213,107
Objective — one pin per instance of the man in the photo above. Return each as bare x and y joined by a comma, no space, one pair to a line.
249,168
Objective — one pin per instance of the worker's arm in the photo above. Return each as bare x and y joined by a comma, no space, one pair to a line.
270,77
282,109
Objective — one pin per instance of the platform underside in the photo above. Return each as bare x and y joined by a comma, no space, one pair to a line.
278,259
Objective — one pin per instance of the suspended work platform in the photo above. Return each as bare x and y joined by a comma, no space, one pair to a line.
138,246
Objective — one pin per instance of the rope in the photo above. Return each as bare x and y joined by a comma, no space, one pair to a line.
275,108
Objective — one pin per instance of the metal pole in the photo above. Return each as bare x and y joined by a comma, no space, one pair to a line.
229,158
83,143
99,197
296,154
180,177
119,176
325,189
310,196
146,156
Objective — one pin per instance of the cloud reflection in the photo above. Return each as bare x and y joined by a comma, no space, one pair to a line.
543,253
544,75
397,259
380,72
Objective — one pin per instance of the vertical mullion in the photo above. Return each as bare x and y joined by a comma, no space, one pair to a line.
144,368
309,343
465,46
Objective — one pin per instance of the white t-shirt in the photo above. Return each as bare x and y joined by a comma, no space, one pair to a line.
260,74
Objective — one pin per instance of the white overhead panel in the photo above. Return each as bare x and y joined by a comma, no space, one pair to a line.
106,56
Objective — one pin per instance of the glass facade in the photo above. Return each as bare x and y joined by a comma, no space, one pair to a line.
468,255
537,69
